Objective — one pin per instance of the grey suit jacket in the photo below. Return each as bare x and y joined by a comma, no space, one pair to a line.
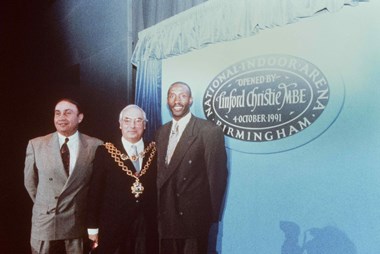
59,201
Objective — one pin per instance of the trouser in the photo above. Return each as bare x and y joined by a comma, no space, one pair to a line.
184,246
70,246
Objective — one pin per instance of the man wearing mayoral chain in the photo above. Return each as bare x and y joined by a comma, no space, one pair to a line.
122,197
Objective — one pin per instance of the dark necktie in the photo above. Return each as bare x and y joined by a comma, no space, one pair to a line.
65,153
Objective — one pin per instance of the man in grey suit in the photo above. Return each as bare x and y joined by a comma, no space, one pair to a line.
57,172
191,176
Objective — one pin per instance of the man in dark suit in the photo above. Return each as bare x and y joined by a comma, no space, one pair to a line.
122,200
192,175
58,186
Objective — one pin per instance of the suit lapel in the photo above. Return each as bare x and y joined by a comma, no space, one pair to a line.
182,147
56,160
146,157
162,144
81,159
80,170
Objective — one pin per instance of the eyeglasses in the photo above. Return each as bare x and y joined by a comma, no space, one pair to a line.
135,121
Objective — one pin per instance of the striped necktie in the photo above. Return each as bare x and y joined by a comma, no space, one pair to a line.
173,140
136,162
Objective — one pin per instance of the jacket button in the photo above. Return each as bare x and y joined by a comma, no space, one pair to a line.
190,161
56,197
50,179
180,213
184,178
177,194
137,201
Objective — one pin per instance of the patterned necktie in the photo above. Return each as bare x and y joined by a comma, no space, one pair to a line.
65,154
173,139
136,162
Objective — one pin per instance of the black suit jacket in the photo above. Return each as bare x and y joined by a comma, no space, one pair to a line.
191,188
112,206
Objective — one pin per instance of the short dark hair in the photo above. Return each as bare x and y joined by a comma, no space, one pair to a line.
72,102
180,83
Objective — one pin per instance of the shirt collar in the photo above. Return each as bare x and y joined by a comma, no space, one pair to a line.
127,145
73,138
182,122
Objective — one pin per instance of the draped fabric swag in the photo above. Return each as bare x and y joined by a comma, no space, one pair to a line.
207,23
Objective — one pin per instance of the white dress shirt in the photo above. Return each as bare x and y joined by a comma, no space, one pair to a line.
128,147
182,123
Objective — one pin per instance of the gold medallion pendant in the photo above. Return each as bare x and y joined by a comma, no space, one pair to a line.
137,188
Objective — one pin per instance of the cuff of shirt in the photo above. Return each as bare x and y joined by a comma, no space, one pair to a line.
92,231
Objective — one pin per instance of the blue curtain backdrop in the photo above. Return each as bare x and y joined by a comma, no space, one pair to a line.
148,94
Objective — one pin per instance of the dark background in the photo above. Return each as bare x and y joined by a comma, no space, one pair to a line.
47,55
51,49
